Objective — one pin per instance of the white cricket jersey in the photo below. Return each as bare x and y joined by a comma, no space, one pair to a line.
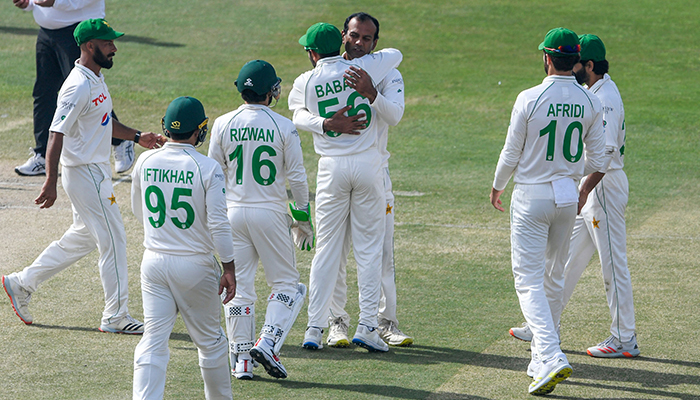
552,125
83,115
258,149
323,91
389,106
613,120
179,196
64,13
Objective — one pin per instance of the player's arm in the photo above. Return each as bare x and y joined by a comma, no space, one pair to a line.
588,184
513,147
379,64
26,5
65,5
48,194
220,229
294,168
136,199
216,151
390,99
594,143
338,122
148,140
72,101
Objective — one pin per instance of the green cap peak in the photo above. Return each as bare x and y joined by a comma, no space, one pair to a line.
96,28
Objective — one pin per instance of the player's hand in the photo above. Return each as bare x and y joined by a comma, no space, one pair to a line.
495,199
303,233
341,123
359,79
151,140
44,3
228,282
48,195
21,3
582,198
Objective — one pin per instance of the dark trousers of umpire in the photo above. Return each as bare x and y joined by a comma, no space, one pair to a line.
56,52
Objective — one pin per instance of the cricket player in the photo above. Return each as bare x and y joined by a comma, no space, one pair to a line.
81,133
360,36
552,126
178,194
350,185
601,224
259,150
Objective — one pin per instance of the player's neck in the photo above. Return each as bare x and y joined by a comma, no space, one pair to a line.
86,61
592,79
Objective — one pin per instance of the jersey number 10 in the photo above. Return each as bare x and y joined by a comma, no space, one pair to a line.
551,130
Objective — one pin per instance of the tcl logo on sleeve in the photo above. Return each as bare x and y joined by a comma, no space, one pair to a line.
99,99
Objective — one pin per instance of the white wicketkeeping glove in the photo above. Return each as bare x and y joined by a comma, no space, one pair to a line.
302,229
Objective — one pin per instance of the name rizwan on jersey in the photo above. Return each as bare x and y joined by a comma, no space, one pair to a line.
167,175
252,133
566,110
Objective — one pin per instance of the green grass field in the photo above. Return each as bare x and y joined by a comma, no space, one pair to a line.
456,293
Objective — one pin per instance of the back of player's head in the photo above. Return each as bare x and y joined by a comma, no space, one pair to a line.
563,46
362,17
184,116
325,39
256,79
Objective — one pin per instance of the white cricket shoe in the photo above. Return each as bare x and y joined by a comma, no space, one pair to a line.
19,297
338,332
522,332
243,369
312,338
128,325
551,373
123,156
534,366
613,348
369,338
263,353
392,335
36,165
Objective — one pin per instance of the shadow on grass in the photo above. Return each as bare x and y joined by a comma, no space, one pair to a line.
126,38
587,375
396,392
173,336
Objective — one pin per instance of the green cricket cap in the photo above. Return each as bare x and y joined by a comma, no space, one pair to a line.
560,42
592,48
258,76
184,115
96,28
322,38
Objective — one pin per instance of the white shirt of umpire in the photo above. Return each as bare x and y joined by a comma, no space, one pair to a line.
545,172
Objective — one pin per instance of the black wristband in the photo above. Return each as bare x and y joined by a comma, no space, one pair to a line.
137,136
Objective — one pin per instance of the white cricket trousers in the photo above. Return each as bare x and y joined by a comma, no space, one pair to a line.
260,234
97,224
387,300
189,285
540,233
601,226
349,190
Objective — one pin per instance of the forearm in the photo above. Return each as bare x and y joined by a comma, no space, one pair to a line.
53,155
121,131
590,182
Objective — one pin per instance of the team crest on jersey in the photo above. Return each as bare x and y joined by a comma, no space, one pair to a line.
248,82
105,119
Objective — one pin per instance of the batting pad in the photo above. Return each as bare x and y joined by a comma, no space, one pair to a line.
282,311
240,327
